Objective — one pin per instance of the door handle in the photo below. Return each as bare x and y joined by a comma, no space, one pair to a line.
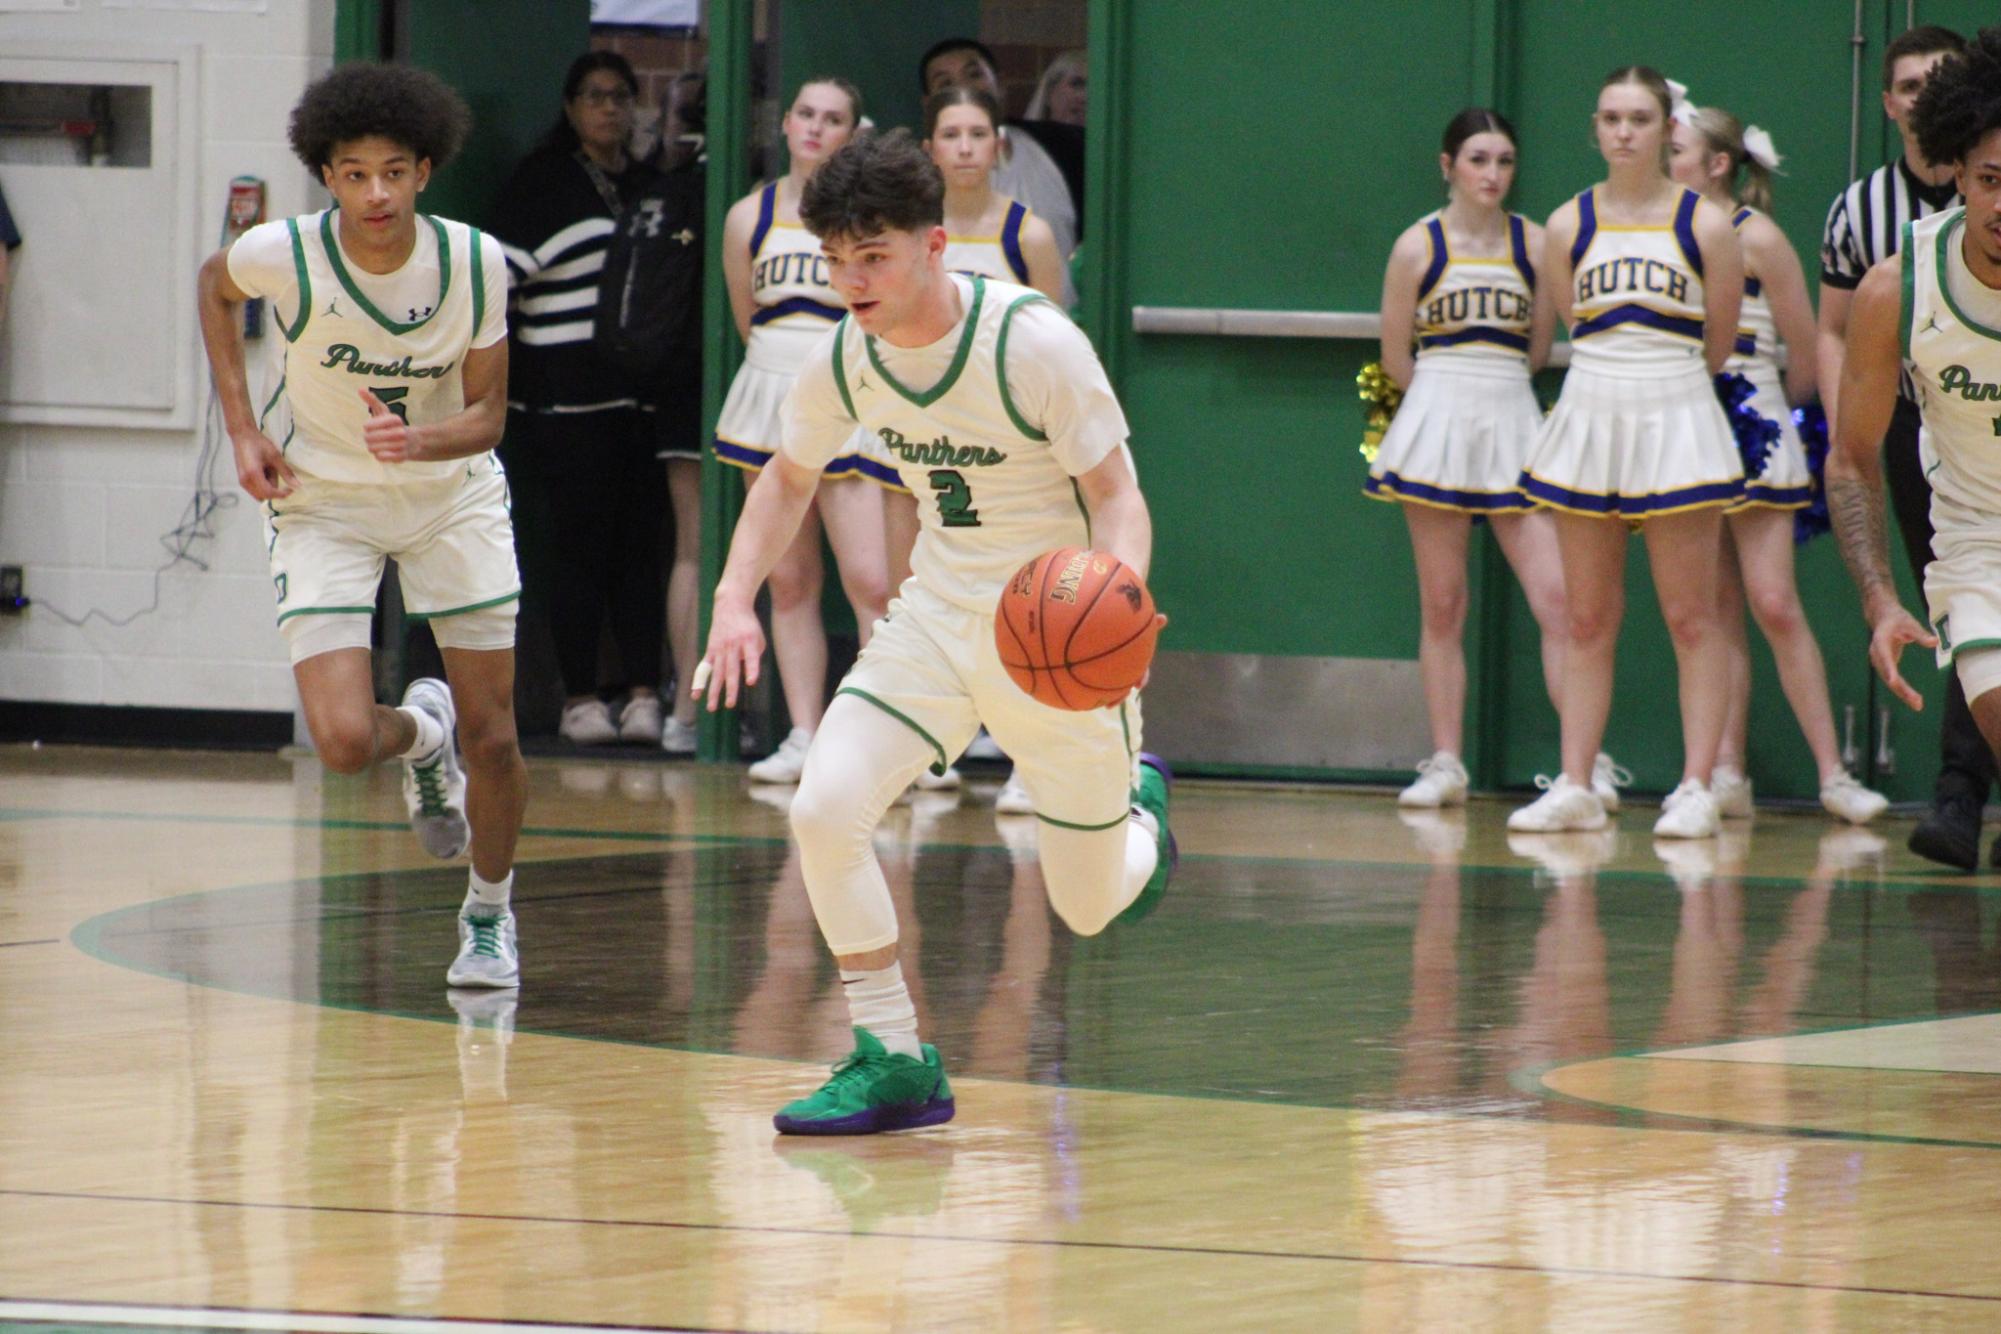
1851,754
1886,754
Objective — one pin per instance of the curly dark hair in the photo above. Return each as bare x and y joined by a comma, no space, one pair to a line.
401,103
1961,103
875,184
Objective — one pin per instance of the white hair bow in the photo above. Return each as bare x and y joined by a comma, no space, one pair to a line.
1758,144
1681,109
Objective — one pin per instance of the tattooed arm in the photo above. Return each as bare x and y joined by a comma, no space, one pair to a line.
1869,369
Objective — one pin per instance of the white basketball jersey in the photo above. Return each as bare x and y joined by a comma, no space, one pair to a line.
338,343
789,283
998,257
1955,361
1757,331
1636,296
1475,305
991,494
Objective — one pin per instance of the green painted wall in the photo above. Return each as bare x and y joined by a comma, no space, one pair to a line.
507,59
1287,193
875,46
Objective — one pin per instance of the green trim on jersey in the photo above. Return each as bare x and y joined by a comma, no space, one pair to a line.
1000,366
904,718
459,611
478,284
276,394
1125,726
938,391
325,611
840,372
1941,242
368,307
305,285
1908,303
1086,828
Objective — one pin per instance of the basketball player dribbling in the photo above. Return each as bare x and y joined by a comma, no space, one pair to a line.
395,378
1935,306
1034,428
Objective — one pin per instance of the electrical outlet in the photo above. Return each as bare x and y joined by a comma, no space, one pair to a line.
13,591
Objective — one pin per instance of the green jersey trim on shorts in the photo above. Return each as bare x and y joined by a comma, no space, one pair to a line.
951,377
324,611
904,718
840,373
460,611
368,307
305,285
1085,828
1000,366
1941,244
1905,307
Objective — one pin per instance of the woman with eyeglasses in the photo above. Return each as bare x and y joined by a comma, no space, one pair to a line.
589,495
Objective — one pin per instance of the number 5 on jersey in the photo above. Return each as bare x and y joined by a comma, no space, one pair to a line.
392,398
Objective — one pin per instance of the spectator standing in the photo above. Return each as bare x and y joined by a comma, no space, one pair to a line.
1062,93
592,494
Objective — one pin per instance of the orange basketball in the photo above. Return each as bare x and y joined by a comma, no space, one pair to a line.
1076,629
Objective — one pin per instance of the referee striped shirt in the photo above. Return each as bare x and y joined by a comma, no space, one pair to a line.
1866,224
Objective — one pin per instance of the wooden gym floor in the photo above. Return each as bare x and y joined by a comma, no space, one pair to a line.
1359,1071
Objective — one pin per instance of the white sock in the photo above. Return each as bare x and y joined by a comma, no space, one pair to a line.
490,897
879,1002
429,735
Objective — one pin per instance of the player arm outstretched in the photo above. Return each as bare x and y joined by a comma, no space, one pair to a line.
1869,367
771,516
473,429
260,465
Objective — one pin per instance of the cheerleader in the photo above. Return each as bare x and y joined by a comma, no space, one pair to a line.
1458,295
1710,151
783,304
1651,278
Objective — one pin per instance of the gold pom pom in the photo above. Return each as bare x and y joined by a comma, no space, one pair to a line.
1380,397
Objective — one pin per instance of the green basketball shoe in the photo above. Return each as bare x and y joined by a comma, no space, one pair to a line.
873,1090
1151,796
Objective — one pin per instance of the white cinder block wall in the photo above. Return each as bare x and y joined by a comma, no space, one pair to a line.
83,508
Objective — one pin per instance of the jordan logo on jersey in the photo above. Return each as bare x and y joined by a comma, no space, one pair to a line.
1632,275
349,356
940,453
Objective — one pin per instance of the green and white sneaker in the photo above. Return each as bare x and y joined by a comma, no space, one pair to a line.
434,789
1151,796
487,953
873,1090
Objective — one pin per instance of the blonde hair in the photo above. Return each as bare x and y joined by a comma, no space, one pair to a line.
1070,62
1724,133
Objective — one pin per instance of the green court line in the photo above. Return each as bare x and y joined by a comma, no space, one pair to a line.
1530,1080
1979,883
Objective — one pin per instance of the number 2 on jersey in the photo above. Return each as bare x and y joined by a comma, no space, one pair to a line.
955,499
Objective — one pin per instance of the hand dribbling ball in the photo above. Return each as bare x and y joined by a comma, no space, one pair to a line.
1076,629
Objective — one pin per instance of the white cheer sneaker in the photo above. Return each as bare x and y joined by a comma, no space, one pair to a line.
1688,812
1441,781
1563,806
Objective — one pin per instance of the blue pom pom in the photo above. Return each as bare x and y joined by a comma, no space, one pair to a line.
1755,434
1812,521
